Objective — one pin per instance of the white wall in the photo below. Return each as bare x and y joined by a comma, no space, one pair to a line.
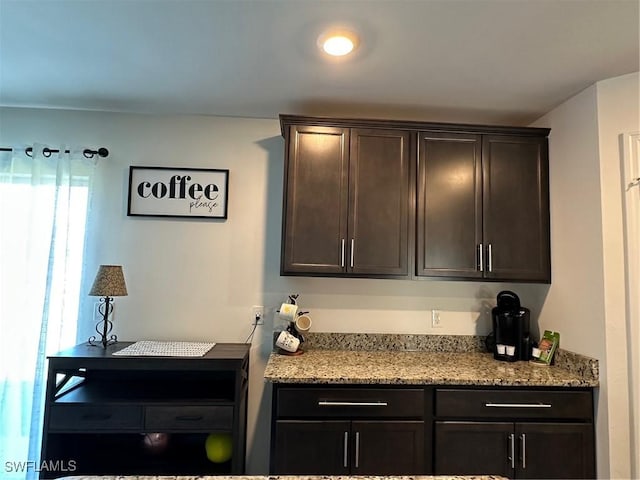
586,301
618,113
575,301
197,280
631,171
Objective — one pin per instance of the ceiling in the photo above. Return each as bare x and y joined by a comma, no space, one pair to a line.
477,61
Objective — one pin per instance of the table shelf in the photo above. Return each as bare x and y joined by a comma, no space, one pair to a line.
99,407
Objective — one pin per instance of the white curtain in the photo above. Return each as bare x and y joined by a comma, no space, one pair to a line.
43,208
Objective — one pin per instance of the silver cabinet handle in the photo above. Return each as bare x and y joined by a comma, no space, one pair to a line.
329,403
523,439
345,459
481,255
353,242
518,405
342,254
490,259
512,456
357,449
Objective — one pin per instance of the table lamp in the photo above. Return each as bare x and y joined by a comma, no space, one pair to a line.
109,282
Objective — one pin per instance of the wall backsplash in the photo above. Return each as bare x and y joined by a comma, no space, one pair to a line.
398,306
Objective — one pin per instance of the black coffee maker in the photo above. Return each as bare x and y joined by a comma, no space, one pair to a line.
510,329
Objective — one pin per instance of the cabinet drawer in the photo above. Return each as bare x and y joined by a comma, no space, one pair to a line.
184,417
514,404
350,402
95,417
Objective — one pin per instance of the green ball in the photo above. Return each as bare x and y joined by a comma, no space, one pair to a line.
219,447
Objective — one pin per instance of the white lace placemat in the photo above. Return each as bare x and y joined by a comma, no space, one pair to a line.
150,348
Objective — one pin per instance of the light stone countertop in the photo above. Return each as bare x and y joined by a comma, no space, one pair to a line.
319,366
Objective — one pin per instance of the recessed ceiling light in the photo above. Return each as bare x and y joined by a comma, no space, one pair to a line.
338,43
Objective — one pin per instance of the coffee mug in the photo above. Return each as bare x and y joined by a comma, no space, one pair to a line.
287,342
288,311
303,323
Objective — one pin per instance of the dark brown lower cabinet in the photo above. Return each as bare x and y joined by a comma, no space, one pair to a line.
467,448
311,447
520,450
557,450
513,432
388,448
326,447
350,430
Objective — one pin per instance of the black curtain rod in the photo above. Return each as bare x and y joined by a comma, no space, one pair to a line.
87,152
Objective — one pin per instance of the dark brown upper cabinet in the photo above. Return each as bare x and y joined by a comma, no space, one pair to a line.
449,221
515,172
483,207
381,198
316,200
346,209
379,186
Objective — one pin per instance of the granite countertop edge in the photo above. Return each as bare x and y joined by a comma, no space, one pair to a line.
425,382
437,360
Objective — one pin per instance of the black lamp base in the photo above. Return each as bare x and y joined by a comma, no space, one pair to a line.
104,326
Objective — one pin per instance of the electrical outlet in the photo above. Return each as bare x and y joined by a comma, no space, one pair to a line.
435,319
257,315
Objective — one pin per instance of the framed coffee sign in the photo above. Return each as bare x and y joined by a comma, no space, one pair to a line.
178,192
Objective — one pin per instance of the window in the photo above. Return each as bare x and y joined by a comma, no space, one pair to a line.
43,211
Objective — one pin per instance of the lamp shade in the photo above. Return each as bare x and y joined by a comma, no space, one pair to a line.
109,282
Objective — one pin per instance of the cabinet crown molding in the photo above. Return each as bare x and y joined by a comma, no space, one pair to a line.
287,120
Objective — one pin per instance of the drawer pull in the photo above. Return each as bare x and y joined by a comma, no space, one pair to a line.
518,405
328,403
189,418
353,246
96,416
512,453
490,260
345,460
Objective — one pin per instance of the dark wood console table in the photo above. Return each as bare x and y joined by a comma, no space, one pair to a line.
100,409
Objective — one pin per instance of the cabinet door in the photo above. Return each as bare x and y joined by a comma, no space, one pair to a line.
311,448
379,184
316,195
516,208
474,448
555,450
449,206
388,448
